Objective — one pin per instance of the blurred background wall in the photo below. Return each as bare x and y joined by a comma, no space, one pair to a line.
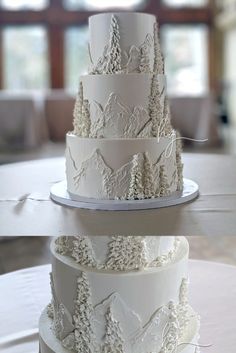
43,51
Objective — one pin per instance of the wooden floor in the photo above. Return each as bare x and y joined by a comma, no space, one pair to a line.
17,253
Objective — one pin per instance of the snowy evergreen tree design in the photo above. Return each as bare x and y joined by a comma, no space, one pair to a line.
84,335
171,332
85,121
158,64
126,253
82,251
113,64
113,341
148,177
179,164
78,114
63,245
163,182
136,182
183,306
50,311
165,126
154,106
144,64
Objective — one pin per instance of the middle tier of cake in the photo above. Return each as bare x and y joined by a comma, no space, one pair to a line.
122,106
123,168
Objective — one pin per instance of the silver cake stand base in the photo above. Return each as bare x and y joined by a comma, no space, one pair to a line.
60,195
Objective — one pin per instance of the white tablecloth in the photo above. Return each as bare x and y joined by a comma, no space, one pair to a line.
24,197
25,293
22,122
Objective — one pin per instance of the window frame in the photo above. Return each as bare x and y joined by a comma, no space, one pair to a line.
49,17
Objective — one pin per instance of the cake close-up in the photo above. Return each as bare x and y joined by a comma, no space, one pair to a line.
128,305
123,145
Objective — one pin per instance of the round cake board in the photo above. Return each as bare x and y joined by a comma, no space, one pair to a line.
60,195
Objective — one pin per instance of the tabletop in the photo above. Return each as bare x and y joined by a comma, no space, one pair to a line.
26,209
25,293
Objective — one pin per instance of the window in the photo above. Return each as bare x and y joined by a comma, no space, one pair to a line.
186,62
25,58
24,4
76,56
185,3
102,4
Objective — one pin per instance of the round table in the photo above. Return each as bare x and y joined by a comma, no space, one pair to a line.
25,293
26,209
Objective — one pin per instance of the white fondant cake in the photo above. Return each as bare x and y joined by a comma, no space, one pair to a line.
123,145
131,252
121,294
99,310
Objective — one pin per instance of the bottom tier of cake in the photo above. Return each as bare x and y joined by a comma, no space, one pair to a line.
48,343
135,168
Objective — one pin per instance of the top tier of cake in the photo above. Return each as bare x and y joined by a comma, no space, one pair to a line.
124,42
124,96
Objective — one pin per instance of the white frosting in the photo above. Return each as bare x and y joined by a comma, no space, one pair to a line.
124,107
50,344
96,251
135,33
133,90
136,312
163,283
102,168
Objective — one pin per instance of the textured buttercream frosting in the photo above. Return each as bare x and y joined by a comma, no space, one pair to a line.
123,145
142,311
120,253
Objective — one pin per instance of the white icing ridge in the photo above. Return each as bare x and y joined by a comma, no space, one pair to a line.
115,119
140,178
85,340
119,253
62,320
112,324
49,344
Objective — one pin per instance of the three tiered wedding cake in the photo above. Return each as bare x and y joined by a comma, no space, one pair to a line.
119,294
123,145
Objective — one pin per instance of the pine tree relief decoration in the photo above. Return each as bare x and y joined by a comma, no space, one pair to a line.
63,245
163,182
144,65
158,64
179,164
154,106
85,121
113,341
57,312
183,305
113,64
148,178
82,251
50,311
84,335
126,253
165,127
136,182
171,331
78,113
